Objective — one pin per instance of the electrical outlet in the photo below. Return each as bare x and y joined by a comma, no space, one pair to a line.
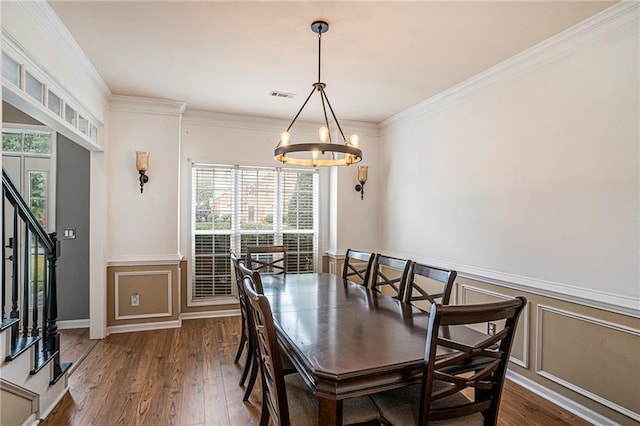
491,328
135,299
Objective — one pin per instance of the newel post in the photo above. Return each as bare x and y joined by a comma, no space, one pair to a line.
52,339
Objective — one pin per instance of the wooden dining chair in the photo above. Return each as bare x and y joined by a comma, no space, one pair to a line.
428,283
288,400
267,259
438,396
245,332
390,275
357,266
252,364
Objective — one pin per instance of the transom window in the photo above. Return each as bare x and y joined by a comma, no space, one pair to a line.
234,207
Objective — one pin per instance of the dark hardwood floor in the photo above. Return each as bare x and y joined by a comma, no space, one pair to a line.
186,376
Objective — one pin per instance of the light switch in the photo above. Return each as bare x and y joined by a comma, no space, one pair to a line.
69,234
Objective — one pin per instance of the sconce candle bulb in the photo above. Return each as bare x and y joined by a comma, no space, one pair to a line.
142,165
363,172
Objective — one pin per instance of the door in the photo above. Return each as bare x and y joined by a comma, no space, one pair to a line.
27,160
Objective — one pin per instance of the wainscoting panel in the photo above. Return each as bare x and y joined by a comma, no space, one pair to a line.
599,358
153,290
156,288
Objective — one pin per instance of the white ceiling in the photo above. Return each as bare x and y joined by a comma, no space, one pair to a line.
379,58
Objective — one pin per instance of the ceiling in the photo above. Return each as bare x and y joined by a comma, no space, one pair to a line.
379,58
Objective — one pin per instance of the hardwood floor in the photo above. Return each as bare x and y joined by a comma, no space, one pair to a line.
186,376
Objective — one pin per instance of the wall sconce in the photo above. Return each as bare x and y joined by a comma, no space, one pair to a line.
362,178
142,164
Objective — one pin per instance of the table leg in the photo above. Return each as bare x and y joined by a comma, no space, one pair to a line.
329,412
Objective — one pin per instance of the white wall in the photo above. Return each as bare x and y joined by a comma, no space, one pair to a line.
533,178
143,227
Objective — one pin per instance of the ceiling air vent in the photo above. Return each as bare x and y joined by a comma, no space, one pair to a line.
285,95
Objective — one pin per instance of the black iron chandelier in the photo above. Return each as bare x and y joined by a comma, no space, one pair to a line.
324,152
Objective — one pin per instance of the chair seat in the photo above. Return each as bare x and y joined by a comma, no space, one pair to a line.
400,407
303,405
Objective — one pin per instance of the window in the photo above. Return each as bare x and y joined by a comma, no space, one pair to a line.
26,141
234,207
10,69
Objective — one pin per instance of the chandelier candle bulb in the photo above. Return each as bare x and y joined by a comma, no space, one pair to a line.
284,138
355,140
324,134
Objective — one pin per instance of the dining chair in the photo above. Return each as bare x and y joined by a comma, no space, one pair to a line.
438,396
245,333
390,275
267,259
428,283
357,266
252,364
287,400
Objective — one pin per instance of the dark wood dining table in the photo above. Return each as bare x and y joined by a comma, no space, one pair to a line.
347,340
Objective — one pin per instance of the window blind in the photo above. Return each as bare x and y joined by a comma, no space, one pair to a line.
236,206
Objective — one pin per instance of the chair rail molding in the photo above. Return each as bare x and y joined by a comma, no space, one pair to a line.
616,303
166,259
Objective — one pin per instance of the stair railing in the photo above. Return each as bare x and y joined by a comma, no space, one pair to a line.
24,289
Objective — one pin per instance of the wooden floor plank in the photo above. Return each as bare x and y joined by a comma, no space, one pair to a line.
187,377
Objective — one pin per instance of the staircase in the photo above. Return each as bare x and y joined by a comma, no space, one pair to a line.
29,339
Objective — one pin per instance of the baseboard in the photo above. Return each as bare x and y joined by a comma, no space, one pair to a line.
69,324
128,328
32,420
560,400
210,314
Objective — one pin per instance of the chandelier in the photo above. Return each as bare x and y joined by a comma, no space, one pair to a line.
324,152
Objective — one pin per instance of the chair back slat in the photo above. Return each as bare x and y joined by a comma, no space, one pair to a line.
420,275
267,259
390,274
357,266
274,393
488,357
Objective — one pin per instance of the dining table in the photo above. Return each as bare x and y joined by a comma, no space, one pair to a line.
347,340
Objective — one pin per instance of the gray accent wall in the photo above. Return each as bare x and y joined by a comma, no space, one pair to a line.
72,211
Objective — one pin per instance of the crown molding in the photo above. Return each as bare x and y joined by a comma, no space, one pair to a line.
266,124
147,105
45,19
612,21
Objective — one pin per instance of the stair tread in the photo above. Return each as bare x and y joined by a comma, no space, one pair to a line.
8,322
59,371
22,345
43,358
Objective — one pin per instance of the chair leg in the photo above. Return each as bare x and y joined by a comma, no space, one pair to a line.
248,362
243,340
252,380
264,415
